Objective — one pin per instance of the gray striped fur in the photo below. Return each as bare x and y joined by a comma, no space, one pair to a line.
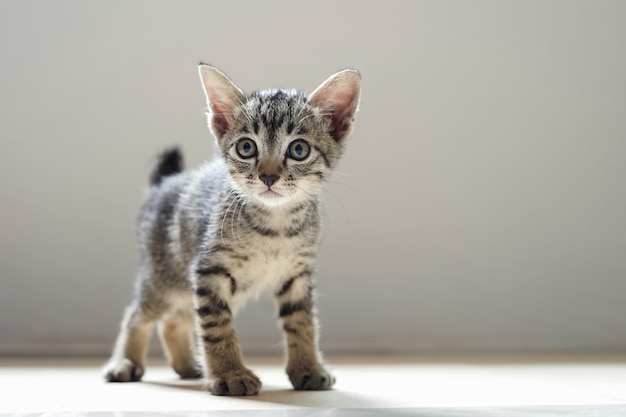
213,236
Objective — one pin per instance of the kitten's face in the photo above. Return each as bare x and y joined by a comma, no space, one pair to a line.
280,145
278,148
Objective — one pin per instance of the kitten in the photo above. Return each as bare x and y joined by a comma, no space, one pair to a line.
247,222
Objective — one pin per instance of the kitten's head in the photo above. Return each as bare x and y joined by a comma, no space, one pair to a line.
280,145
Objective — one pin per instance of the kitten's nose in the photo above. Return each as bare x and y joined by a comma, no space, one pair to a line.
269,180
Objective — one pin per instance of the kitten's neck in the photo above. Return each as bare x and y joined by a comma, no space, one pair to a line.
288,218
284,210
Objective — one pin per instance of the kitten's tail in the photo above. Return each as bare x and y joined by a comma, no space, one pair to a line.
170,163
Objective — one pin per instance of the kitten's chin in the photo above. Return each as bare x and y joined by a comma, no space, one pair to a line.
272,198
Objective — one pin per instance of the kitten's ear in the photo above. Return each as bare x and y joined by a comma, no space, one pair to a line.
338,97
222,97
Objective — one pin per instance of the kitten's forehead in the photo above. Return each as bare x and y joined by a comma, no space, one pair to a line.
275,112
277,100
276,104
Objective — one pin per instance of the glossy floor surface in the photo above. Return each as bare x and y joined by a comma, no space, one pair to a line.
367,386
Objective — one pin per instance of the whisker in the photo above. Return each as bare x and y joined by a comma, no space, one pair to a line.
340,183
306,117
311,204
243,205
300,111
315,209
330,193
225,214
232,217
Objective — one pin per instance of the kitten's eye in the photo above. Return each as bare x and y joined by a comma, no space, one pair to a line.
246,148
299,149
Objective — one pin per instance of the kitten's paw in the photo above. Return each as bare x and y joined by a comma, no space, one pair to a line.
236,383
314,379
123,371
191,371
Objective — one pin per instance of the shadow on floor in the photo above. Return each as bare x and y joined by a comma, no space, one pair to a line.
335,398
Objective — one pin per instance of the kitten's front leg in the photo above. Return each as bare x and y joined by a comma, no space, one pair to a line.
226,374
297,314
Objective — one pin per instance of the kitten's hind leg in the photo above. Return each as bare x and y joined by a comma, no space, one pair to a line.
176,333
129,355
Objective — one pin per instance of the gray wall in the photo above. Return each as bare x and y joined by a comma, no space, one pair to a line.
480,206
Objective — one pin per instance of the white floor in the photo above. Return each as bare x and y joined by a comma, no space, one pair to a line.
368,386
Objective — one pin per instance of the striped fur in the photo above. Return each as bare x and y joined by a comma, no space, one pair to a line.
249,221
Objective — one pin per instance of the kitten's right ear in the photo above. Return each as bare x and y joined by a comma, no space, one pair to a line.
222,96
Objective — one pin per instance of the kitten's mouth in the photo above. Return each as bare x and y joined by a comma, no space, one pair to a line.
269,193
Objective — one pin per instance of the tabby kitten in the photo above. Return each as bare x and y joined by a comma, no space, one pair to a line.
249,221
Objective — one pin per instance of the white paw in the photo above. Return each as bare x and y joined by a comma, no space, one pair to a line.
123,371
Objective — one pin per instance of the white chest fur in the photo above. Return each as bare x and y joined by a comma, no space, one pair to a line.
269,262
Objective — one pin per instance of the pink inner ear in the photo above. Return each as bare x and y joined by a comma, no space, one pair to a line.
340,105
344,104
338,99
220,123
344,98
221,110
223,97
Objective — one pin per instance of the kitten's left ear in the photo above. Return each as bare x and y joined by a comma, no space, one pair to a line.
222,96
338,97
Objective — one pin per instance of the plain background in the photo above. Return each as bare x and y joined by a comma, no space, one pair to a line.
480,207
